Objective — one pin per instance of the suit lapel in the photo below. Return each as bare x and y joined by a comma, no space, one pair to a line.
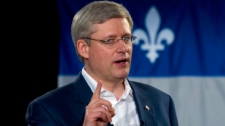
144,108
82,92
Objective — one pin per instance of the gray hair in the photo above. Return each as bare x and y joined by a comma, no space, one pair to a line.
96,12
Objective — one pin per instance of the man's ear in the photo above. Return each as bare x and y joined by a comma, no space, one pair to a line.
82,48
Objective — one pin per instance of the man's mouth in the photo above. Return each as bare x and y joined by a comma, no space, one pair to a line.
122,61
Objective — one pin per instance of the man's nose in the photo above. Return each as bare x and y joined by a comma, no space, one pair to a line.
121,46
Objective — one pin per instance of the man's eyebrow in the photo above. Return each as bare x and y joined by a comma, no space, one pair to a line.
127,34
114,36
110,36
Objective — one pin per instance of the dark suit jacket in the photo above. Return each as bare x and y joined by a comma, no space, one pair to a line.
65,106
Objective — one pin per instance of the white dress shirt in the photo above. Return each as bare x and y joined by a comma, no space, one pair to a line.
125,109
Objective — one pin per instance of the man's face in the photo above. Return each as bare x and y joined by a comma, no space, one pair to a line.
109,64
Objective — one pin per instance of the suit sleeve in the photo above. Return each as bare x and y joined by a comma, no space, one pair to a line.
173,116
37,115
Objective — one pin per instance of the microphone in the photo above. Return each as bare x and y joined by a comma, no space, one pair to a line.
142,123
110,124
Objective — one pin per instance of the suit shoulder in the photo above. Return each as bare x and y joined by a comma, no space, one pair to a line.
146,88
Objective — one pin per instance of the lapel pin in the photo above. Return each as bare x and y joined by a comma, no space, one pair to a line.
147,107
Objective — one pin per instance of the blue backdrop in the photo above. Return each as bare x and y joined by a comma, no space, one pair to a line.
180,49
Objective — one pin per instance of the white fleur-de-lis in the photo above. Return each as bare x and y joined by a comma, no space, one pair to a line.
152,23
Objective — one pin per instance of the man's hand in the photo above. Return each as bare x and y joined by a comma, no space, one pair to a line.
99,111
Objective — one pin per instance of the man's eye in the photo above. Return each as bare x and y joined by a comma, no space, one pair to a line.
108,41
125,39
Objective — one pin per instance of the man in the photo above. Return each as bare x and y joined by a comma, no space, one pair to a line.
101,94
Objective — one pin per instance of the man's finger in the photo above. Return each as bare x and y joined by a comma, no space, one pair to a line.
96,94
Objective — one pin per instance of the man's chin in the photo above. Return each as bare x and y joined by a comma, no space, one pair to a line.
122,75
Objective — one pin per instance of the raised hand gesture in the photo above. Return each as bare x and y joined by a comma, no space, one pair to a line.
99,111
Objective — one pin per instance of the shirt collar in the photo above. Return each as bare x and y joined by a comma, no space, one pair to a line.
128,90
90,81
